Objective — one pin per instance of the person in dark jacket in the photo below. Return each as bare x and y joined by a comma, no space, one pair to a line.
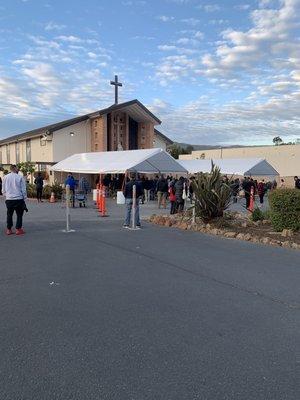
179,189
39,184
297,182
128,194
72,183
261,190
162,191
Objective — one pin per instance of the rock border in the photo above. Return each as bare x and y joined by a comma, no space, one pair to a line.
171,221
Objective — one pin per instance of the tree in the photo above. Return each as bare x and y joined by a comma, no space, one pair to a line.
27,168
175,150
277,140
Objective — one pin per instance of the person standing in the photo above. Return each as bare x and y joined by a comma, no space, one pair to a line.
39,184
128,194
179,189
172,197
162,191
72,183
297,182
147,189
14,190
261,191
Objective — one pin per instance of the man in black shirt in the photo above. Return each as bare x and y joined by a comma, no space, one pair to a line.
128,194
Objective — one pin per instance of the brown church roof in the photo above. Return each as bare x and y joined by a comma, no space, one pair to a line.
54,127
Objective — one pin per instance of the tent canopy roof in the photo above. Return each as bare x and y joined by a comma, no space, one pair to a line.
118,162
232,166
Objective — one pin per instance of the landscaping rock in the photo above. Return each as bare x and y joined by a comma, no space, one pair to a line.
230,235
287,233
240,236
286,244
247,237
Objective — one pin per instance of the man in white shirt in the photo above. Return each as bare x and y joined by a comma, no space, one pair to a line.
14,190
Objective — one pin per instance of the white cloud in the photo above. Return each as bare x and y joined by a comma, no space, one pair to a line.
191,21
165,18
166,47
70,38
242,7
209,7
52,26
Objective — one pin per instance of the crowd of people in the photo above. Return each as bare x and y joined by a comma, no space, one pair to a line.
159,188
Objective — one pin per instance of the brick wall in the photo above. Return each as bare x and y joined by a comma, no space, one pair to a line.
99,134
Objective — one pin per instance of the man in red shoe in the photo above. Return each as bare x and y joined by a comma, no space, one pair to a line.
14,190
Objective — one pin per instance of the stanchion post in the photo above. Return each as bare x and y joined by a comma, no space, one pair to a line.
68,198
133,206
194,213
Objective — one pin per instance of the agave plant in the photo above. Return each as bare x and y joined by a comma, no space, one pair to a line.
212,195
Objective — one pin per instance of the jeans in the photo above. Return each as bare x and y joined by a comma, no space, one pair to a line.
15,206
162,199
39,193
261,198
128,203
147,195
173,207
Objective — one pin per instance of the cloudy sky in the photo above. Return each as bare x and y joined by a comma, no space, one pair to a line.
214,72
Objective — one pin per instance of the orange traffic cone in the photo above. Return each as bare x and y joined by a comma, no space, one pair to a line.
52,198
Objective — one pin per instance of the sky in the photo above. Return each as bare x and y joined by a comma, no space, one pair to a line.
215,72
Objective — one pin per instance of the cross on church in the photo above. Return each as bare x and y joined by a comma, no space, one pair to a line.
116,84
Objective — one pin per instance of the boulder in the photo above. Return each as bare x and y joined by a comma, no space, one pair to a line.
287,233
240,236
230,235
247,237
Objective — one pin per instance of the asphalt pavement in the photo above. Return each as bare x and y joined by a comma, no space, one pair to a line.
156,314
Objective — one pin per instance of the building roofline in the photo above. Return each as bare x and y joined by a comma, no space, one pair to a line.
164,137
63,124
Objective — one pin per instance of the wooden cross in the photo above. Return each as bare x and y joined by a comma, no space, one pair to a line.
116,84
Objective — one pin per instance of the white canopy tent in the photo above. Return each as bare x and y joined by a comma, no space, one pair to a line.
118,162
232,166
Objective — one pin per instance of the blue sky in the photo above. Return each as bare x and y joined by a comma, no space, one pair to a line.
214,72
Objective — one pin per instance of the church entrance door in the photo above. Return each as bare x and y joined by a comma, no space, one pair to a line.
133,134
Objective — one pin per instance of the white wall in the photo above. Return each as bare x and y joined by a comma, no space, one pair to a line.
65,145
159,143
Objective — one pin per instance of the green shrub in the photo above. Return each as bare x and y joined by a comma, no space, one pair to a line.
257,215
285,209
56,188
47,190
212,195
31,190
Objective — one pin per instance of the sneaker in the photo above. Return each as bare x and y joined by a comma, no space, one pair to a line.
125,226
138,227
20,231
9,232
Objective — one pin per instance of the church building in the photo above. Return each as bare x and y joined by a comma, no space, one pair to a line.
125,126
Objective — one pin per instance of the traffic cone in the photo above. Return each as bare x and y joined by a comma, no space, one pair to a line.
52,198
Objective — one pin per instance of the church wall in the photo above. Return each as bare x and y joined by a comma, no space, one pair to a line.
65,145
159,143
118,131
146,135
99,134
